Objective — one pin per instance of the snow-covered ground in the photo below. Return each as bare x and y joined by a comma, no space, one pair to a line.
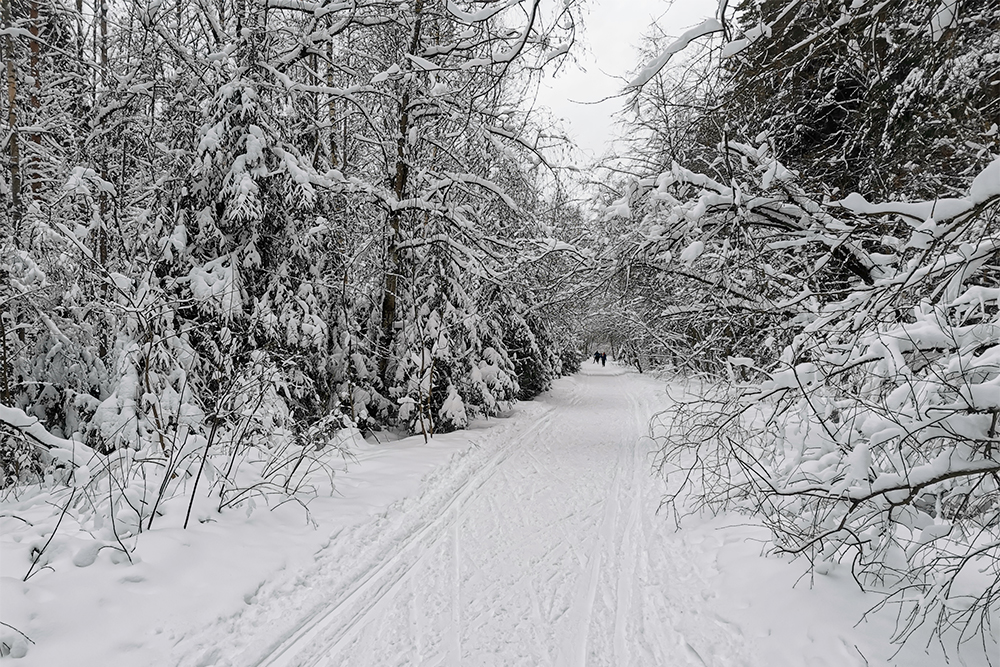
527,540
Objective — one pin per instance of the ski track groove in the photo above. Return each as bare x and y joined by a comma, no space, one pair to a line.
310,628
456,609
321,619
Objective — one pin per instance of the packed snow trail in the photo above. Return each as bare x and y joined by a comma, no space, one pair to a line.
549,553
537,543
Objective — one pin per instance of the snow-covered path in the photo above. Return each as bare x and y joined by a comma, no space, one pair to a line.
531,540
550,553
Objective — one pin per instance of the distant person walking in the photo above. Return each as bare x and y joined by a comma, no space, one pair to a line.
604,359
597,357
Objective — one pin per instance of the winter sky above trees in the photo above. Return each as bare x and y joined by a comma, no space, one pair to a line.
584,93
240,234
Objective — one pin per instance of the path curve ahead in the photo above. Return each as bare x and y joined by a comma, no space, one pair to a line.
549,552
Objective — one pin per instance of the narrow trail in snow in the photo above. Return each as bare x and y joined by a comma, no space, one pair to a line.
549,552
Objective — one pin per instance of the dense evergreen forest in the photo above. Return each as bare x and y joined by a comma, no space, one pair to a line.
272,221
240,233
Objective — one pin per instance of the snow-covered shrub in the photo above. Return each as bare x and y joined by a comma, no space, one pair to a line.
570,358
874,438
181,464
531,349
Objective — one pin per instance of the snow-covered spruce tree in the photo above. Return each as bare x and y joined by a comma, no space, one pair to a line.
260,247
531,352
871,438
445,158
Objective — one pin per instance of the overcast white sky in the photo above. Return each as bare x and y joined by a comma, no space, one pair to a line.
606,53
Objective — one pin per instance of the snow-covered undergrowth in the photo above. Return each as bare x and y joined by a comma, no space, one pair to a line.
873,441
87,507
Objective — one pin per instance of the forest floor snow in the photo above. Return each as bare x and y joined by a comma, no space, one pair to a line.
532,540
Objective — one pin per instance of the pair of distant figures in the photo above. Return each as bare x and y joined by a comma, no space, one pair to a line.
601,357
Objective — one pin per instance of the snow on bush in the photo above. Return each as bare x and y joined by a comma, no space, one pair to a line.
248,451
873,440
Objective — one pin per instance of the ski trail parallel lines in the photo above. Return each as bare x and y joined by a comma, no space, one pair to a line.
626,567
585,608
320,621
629,546
440,523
